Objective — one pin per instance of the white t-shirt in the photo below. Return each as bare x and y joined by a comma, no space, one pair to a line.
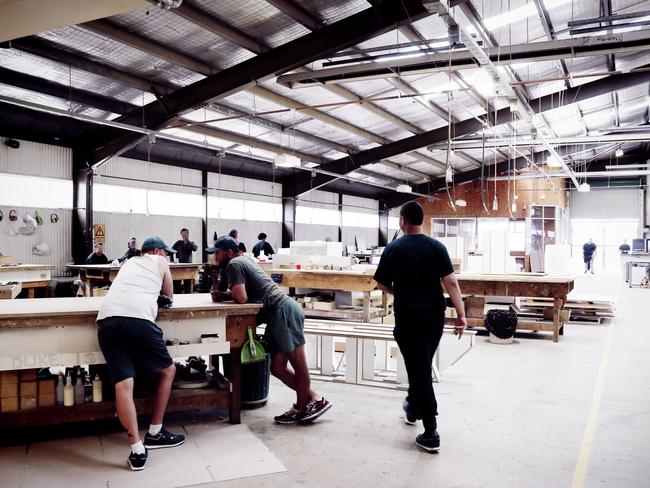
134,293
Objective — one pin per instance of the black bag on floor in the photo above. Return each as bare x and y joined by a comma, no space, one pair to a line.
501,323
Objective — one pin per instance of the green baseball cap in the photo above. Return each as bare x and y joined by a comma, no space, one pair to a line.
155,242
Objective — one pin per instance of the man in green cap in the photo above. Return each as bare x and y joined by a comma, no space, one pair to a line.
128,337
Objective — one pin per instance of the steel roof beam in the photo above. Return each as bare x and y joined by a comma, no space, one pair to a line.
352,30
298,13
298,183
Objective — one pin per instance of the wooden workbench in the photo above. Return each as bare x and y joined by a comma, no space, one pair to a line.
334,280
91,274
48,332
30,276
520,285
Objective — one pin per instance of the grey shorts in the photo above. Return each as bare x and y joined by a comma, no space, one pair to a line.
285,327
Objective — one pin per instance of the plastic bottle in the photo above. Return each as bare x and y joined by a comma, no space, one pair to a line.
97,389
88,389
78,391
68,392
59,390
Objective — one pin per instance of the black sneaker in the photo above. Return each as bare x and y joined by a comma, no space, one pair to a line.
164,438
410,415
136,461
291,416
430,443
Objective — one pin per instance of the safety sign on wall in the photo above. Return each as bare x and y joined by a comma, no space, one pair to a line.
99,233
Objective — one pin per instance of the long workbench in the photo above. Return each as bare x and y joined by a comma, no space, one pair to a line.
333,280
91,274
520,285
46,332
30,276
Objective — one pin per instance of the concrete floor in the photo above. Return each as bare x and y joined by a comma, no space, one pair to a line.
530,414
510,416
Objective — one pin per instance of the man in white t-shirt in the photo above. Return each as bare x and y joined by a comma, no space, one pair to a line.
130,341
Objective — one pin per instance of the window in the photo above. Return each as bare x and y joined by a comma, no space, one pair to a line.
263,211
225,208
361,219
517,235
317,215
126,199
32,191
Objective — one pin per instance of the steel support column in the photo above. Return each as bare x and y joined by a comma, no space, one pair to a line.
82,208
288,221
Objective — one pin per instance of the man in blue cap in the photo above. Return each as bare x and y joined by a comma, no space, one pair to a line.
284,332
128,337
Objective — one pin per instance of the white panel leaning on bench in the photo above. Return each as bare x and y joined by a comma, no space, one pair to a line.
361,352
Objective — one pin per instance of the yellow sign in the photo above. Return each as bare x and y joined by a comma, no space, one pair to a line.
99,233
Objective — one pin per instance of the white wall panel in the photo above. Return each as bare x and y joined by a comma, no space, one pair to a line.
312,232
35,159
248,231
121,227
141,174
56,235
612,203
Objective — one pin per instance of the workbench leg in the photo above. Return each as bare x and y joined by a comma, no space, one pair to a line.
402,375
31,293
190,286
235,386
558,303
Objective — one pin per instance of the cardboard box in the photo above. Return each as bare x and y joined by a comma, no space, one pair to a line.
46,400
46,387
28,375
8,377
8,390
28,402
9,404
28,388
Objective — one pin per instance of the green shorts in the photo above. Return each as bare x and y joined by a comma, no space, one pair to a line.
285,327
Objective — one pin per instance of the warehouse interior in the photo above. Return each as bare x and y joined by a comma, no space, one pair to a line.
519,126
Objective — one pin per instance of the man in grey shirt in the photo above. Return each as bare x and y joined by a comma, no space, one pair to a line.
284,332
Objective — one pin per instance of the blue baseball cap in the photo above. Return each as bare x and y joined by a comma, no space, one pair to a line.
224,243
155,242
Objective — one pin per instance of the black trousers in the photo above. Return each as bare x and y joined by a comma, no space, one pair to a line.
418,337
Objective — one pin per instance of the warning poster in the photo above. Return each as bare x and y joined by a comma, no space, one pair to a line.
99,233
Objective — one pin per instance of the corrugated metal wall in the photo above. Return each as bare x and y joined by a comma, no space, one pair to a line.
364,206
35,159
56,235
318,232
121,227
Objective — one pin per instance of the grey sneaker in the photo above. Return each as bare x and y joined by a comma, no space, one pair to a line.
410,414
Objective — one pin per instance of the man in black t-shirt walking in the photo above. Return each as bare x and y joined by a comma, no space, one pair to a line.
413,268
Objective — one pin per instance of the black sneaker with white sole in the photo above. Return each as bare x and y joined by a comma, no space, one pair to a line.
162,439
428,442
315,409
136,461
410,414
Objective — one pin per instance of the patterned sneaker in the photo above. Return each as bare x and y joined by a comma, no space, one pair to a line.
430,443
291,416
315,409
164,438
136,461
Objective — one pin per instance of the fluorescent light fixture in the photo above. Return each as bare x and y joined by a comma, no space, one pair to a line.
520,13
461,203
404,189
286,161
554,162
584,187
619,153
627,166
